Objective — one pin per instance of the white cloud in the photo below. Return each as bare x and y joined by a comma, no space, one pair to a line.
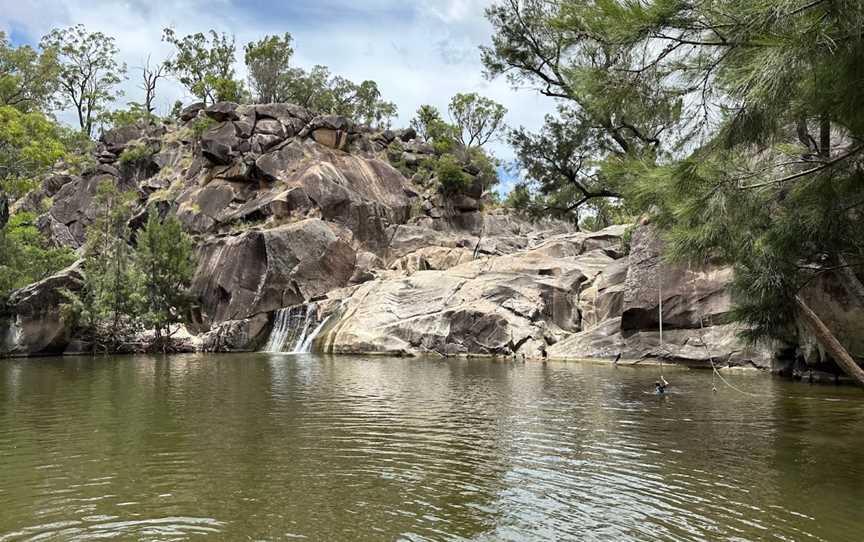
419,52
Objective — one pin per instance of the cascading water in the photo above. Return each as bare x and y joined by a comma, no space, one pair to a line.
10,336
306,345
291,329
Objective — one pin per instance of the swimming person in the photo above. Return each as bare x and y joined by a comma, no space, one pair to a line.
660,386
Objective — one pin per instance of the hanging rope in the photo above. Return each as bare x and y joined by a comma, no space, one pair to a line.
714,372
660,312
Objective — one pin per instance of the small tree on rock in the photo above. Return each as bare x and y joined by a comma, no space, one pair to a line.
268,61
164,257
479,119
104,309
204,64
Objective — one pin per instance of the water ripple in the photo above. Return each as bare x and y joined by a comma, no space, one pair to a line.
292,447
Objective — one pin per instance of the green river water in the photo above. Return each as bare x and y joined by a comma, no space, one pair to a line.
286,447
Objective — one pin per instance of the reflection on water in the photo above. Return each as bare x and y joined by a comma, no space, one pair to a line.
276,447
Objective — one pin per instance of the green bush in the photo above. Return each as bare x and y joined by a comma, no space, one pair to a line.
135,114
394,151
451,178
201,125
135,152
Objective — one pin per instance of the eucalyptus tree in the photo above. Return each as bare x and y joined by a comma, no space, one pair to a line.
88,71
28,77
268,61
204,64
478,119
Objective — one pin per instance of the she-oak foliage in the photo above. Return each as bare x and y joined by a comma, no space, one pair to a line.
737,124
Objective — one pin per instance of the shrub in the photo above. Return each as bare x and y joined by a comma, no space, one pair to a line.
134,115
201,125
135,152
451,178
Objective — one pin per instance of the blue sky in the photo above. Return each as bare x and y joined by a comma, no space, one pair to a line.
419,51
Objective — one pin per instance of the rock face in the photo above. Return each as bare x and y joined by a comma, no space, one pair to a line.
688,293
840,308
241,276
621,312
289,207
492,305
33,325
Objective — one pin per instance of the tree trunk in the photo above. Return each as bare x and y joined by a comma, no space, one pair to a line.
4,209
825,136
829,342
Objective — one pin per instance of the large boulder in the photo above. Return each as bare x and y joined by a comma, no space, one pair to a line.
32,324
222,111
221,143
285,113
329,130
237,335
52,184
191,111
117,139
256,272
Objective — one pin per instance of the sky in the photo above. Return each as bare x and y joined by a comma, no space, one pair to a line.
418,51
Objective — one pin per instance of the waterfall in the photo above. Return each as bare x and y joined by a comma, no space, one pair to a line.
306,345
291,329
10,337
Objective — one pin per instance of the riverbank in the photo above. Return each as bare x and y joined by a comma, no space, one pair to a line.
334,231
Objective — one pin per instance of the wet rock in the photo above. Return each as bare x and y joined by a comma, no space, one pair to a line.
245,335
